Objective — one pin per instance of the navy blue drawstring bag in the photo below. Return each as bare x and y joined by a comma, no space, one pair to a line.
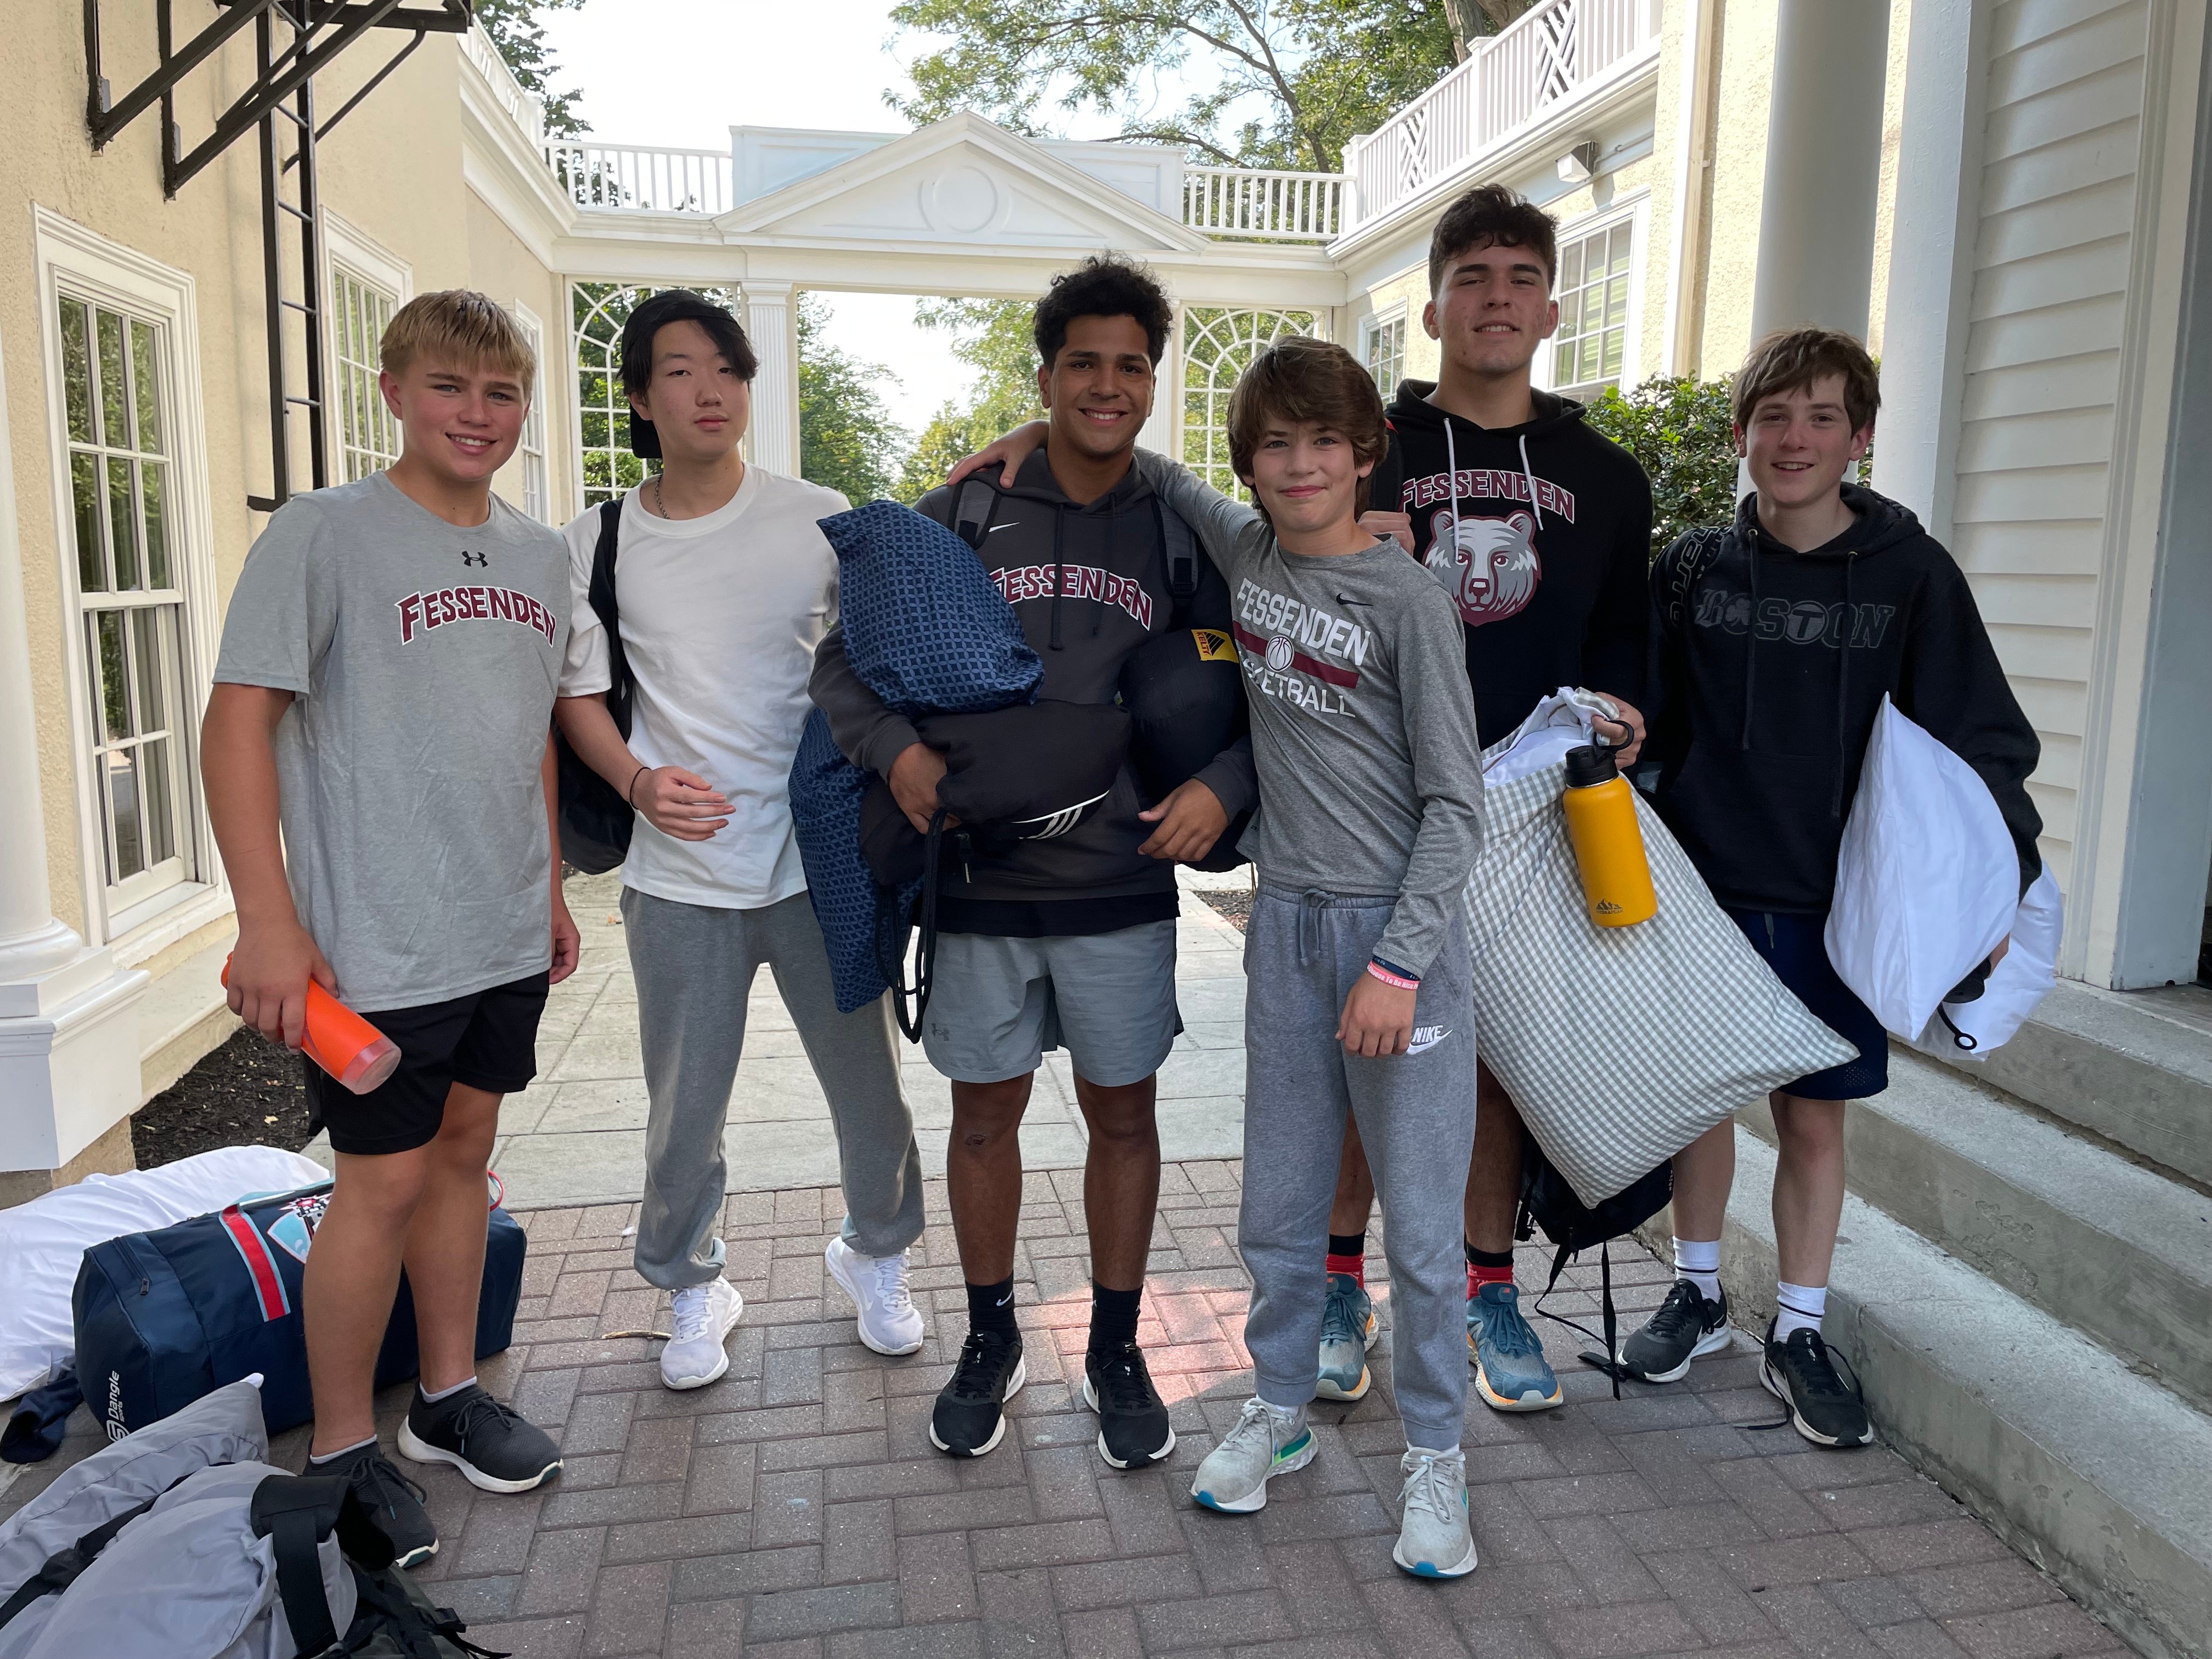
926,629
853,909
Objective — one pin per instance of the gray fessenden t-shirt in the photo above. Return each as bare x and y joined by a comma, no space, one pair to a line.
422,659
1363,723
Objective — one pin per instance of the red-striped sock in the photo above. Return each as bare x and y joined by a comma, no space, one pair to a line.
1347,1254
1487,1268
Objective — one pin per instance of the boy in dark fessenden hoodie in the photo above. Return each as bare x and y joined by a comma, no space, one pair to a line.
1774,642
1068,942
1540,530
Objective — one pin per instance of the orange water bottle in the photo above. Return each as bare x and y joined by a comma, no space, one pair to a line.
341,1041
1608,842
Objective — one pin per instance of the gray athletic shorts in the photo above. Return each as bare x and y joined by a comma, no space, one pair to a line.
1107,999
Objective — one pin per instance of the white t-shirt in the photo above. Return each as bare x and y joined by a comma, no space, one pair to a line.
719,619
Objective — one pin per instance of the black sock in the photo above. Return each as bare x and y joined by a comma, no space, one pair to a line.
1488,1258
1348,1245
1113,1317
990,1307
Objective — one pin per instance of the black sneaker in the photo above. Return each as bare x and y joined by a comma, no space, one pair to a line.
1133,1421
1684,1326
1823,1407
485,1440
395,1501
970,1418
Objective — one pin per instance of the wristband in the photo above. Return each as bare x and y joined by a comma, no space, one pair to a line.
1387,977
634,777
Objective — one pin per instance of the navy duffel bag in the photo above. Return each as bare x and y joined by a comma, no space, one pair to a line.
166,1317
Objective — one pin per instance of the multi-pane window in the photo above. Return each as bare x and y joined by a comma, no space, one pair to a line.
1386,352
1591,347
598,311
130,601
537,489
1218,344
368,438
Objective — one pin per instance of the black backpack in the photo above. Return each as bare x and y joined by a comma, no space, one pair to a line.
595,820
1548,1202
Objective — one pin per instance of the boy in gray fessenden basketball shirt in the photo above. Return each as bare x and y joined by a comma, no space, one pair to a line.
1357,999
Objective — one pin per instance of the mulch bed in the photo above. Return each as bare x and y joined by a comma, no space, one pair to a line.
249,1092
1235,904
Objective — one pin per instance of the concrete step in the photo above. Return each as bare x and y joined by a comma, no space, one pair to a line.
2133,1067
2118,1251
2096,1473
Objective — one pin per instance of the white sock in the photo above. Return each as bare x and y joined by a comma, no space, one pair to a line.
1698,1261
1293,1416
433,1399
1799,1307
1430,1451
343,1452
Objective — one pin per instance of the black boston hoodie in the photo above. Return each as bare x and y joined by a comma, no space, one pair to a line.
1768,667
1541,532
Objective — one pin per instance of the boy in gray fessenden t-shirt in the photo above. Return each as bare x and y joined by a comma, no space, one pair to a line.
385,689
1357,998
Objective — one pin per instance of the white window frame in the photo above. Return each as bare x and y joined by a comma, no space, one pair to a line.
73,260
1637,214
534,451
351,251
1370,330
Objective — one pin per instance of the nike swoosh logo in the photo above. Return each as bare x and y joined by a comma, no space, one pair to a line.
1426,1037
1002,1302
996,528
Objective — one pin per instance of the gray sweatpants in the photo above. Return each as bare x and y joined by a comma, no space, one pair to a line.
695,966
1302,954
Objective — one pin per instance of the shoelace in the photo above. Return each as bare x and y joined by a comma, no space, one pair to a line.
1339,1322
691,1307
1255,1422
1681,1314
982,1359
1123,1383
891,1284
479,1411
1811,1360
1430,1487
380,1484
1505,1330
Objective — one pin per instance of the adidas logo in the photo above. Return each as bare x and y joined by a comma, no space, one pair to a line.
1608,908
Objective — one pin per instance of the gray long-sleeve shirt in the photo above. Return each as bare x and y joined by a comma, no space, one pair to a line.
1362,725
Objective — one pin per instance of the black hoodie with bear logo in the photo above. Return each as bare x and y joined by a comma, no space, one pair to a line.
1542,534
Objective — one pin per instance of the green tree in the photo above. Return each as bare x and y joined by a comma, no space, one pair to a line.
847,440
1681,431
1323,69
993,337
514,28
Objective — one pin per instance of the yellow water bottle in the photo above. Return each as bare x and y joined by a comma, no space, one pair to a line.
1608,842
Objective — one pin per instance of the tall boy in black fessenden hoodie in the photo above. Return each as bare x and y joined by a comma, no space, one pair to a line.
1540,530
1774,641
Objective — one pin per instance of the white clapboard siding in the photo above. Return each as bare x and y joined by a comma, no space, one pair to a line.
2057,201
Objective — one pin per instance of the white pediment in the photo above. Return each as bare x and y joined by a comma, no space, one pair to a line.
965,180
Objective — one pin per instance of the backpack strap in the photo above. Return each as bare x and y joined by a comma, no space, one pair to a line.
65,1566
1179,548
1702,551
603,603
973,510
296,1513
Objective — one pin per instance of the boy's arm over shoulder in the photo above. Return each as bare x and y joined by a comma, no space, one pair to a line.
284,609
1439,710
1954,686
1222,526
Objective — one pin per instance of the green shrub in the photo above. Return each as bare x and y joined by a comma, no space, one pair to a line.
1680,429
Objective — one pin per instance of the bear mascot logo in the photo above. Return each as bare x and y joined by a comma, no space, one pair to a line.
1489,565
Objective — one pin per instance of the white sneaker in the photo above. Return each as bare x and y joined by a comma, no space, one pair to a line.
704,1317
1265,1442
890,1322
1434,1538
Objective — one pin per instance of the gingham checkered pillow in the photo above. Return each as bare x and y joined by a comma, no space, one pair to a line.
1620,1045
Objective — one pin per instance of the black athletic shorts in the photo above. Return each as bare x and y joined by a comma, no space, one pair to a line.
487,1039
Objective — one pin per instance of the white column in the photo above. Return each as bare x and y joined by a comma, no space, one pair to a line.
1693,158
1163,431
772,324
69,1022
1823,167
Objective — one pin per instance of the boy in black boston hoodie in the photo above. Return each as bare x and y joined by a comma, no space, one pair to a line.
1774,641
1540,530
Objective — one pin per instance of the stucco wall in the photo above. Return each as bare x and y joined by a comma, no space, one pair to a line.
501,266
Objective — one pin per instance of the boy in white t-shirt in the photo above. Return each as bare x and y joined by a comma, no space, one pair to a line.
724,585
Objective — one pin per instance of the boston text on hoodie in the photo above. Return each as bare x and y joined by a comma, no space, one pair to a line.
1768,667
1089,582
1541,532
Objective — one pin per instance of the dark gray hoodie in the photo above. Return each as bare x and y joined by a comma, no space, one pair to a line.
1090,584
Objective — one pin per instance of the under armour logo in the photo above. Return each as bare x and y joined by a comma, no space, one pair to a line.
475,559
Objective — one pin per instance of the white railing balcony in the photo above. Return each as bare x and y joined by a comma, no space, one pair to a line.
1508,82
525,109
1252,202
641,178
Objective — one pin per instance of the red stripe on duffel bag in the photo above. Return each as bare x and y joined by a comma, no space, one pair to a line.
260,1266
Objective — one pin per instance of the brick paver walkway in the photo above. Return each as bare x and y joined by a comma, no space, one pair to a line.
795,1510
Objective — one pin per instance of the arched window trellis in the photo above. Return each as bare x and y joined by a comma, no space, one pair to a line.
1218,345
598,311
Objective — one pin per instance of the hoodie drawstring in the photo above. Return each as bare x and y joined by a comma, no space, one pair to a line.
1529,473
1098,604
1844,687
1059,574
1751,643
1452,463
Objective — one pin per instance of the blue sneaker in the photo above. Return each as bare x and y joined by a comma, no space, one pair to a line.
1510,1371
1347,1332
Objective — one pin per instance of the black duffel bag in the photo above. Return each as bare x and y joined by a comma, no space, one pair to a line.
1184,692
